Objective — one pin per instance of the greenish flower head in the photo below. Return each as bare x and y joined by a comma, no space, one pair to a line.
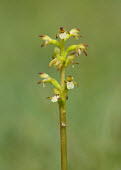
61,59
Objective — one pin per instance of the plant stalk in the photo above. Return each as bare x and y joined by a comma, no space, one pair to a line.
62,109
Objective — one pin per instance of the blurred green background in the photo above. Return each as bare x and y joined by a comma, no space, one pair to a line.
29,124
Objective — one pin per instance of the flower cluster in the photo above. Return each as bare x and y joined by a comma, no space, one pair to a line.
61,59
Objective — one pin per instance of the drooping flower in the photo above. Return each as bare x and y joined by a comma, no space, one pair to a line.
45,38
47,78
78,48
81,48
73,33
49,40
69,59
57,62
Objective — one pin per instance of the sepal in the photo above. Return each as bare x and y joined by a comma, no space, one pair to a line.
76,83
70,78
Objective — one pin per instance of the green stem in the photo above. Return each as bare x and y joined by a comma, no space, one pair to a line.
63,137
62,109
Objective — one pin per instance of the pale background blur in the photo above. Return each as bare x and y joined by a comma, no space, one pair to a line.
29,124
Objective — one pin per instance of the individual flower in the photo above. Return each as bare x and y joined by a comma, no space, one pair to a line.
49,40
70,83
47,78
45,38
78,48
81,49
55,98
74,33
70,59
62,33
57,62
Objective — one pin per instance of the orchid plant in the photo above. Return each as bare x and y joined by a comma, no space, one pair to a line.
61,59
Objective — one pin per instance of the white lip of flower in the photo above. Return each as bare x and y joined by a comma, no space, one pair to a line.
79,52
70,85
55,98
63,35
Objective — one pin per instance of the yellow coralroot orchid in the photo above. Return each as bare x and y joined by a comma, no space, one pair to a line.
61,59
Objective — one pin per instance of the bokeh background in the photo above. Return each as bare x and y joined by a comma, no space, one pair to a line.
29,123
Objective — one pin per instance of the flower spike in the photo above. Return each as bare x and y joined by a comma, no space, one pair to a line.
61,59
